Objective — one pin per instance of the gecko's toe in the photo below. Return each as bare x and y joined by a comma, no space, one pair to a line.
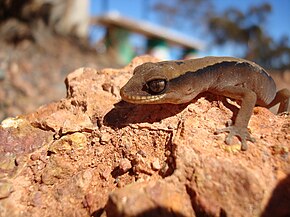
244,145
244,138
218,131
229,138
252,139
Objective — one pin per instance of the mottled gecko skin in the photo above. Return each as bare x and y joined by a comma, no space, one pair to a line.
181,81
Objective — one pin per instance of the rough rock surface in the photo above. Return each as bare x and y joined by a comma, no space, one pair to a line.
92,155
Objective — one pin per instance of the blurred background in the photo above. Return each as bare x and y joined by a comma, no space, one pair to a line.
41,41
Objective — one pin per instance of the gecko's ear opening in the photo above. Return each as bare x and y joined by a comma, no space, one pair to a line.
156,86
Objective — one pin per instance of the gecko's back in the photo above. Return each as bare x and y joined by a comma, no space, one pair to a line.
224,71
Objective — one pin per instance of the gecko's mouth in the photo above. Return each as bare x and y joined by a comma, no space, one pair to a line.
141,99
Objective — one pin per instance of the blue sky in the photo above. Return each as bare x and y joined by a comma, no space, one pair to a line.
278,22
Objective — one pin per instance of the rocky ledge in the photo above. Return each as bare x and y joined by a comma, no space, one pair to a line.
92,154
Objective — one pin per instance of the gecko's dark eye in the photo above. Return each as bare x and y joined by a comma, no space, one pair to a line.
156,86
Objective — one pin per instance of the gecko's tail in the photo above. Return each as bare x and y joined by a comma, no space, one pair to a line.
282,97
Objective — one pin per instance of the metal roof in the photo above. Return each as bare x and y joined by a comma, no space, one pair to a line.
148,29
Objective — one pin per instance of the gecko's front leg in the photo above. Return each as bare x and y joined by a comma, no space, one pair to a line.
239,128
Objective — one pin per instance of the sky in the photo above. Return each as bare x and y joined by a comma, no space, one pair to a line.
278,21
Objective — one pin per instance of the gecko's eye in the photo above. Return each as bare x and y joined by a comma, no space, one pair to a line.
156,86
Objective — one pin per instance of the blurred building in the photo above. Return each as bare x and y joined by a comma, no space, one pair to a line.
159,39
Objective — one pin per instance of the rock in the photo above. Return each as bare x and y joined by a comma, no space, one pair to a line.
99,151
105,138
107,87
156,164
106,173
278,204
7,164
6,188
161,198
125,165
75,141
18,136
91,154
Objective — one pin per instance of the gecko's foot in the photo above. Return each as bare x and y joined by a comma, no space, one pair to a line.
240,132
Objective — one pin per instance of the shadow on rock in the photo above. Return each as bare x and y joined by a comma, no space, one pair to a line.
279,203
126,113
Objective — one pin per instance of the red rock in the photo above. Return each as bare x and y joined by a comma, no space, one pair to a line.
125,165
18,136
161,198
106,173
201,175
156,165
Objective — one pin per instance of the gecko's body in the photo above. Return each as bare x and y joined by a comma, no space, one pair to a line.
181,81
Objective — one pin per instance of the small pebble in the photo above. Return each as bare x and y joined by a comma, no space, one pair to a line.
99,150
125,165
156,164
35,156
106,174
167,153
127,145
105,138
142,153
6,188
106,87
37,199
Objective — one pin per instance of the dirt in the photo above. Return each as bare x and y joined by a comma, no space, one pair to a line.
91,154
32,74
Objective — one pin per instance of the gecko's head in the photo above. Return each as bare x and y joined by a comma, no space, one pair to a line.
150,84
147,86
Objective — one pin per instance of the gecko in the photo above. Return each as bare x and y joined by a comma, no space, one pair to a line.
180,81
